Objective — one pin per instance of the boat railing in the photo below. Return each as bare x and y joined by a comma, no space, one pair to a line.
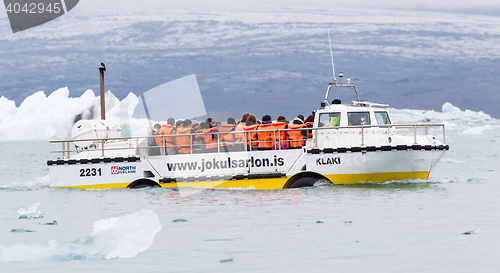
241,140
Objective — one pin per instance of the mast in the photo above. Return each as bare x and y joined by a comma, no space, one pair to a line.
103,110
331,55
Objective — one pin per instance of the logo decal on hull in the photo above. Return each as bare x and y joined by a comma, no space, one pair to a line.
123,169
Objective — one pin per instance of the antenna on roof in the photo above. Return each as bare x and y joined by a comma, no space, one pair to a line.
331,55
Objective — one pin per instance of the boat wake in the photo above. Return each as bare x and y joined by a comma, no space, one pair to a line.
112,238
39,183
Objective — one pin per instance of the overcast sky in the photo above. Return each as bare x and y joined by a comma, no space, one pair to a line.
463,6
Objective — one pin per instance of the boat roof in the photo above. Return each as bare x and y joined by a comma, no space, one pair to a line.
356,106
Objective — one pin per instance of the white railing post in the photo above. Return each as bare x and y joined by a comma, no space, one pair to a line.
218,142
274,141
444,141
190,144
415,133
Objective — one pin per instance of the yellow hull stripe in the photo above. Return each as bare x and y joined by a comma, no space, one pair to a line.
275,183
375,177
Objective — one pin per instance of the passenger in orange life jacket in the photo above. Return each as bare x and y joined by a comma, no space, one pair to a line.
168,130
297,138
309,124
213,128
155,142
251,137
203,139
266,139
282,124
199,143
239,138
184,143
227,135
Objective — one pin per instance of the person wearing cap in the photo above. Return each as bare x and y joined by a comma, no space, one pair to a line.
297,137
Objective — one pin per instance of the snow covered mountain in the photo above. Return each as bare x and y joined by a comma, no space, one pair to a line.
267,61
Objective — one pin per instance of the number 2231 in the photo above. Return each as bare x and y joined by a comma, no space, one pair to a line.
90,172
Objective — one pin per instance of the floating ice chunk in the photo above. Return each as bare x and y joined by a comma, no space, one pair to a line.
477,130
126,236
450,115
471,232
54,223
21,230
115,237
31,212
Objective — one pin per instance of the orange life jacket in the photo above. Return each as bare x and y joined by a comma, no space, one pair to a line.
207,135
309,125
166,130
282,135
158,140
228,138
295,136
251,136
183,142
209,139
239,138
266,139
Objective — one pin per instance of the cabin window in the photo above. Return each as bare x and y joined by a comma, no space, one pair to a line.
358,118
382,118
329,120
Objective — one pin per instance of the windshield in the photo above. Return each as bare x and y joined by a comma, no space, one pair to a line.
329,120
382,118
358,118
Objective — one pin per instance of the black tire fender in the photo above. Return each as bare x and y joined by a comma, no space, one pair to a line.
143,183
304,182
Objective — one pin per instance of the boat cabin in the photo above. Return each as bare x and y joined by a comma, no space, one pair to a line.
359,114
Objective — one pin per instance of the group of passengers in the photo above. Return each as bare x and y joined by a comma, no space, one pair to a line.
185,137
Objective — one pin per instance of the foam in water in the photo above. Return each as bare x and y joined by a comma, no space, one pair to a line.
31,212
115,237
39,182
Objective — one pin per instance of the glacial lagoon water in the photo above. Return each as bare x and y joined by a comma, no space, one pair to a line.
449,222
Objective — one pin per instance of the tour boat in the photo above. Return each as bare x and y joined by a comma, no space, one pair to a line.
346,143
